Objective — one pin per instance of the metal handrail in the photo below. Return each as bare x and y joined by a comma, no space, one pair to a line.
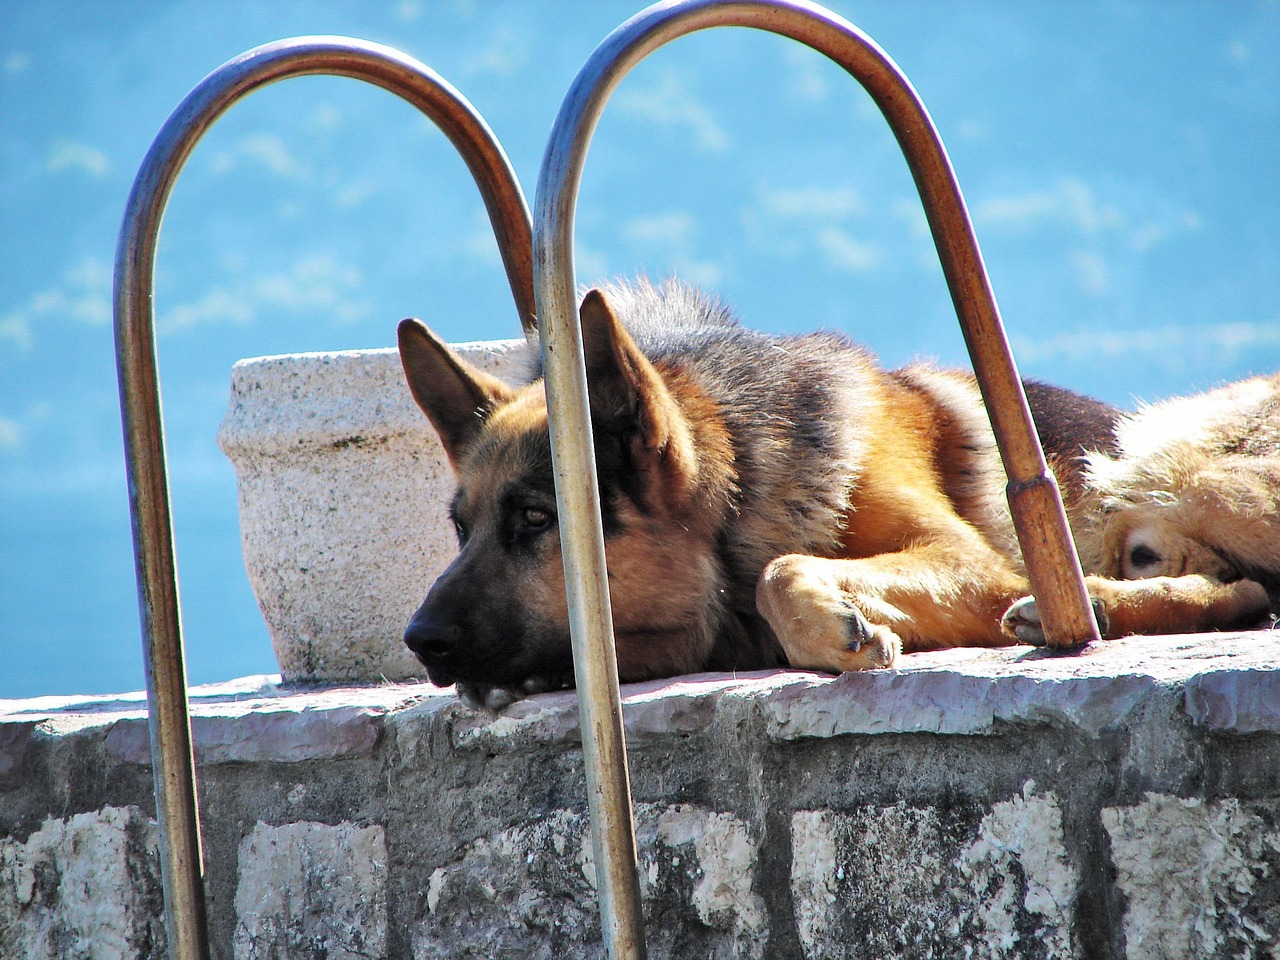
1035,503
170,728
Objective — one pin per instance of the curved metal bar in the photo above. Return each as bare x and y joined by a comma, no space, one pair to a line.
173,762
1036,504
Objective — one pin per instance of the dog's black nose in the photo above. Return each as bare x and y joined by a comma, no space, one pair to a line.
432,639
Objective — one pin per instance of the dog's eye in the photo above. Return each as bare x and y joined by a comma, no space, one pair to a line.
1143,556
535,519
460,530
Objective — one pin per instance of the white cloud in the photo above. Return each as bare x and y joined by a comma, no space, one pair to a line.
408,11
76,156
83,295
794,222
479,243
701,273
326,118
1072,208
218,305
318,285
673,235
505,54
811,203
17,62
669,103
265,150
351,196
1091,272
845,253
10,435
15,328
1206,343
315,283
1151,233
1070,201
805,78
911,213
675,228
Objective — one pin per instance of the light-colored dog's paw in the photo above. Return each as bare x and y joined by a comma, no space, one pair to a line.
838,638
1021,622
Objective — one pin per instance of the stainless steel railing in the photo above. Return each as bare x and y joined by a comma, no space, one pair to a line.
172,760
547,280
1034,499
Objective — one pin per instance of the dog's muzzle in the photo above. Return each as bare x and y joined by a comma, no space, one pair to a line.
435,641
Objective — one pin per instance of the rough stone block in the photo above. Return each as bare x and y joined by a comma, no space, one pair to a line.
1199,877
83,888
780,814
312,890
931,882
529,891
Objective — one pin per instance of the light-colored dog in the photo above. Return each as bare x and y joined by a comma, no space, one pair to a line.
1182,515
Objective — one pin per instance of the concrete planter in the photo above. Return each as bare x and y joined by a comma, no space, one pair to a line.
343,489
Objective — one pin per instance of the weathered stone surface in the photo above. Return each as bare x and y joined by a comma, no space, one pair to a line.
254,720
1200,878
1236,701
312,890
14,740
83,888
900,880
970,691
655,709
1118,803
529,891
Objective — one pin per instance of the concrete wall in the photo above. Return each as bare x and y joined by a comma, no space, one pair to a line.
1124,802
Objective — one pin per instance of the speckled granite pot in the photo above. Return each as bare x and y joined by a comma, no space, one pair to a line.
343,490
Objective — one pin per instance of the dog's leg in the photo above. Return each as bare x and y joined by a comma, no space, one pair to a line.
835,614
1187,604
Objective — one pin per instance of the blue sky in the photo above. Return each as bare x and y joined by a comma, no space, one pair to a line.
1121,161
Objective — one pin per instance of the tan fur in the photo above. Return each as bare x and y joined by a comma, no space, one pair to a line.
1180,522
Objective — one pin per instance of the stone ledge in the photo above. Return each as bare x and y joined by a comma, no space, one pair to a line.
1228,683
1119,803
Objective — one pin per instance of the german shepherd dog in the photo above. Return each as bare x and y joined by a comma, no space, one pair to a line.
766,501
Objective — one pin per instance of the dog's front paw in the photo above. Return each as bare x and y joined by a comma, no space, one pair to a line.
495,698
819,625
1021,622
484,696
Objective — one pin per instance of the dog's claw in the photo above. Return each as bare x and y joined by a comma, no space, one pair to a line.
471,695
499,698
532,685
856,627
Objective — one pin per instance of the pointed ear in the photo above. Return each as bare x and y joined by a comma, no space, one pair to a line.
455,396
630,395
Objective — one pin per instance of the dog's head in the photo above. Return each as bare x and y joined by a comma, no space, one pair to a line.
496,619
1179,510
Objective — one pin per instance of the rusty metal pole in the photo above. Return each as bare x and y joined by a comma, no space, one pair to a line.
173,763
1034,499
